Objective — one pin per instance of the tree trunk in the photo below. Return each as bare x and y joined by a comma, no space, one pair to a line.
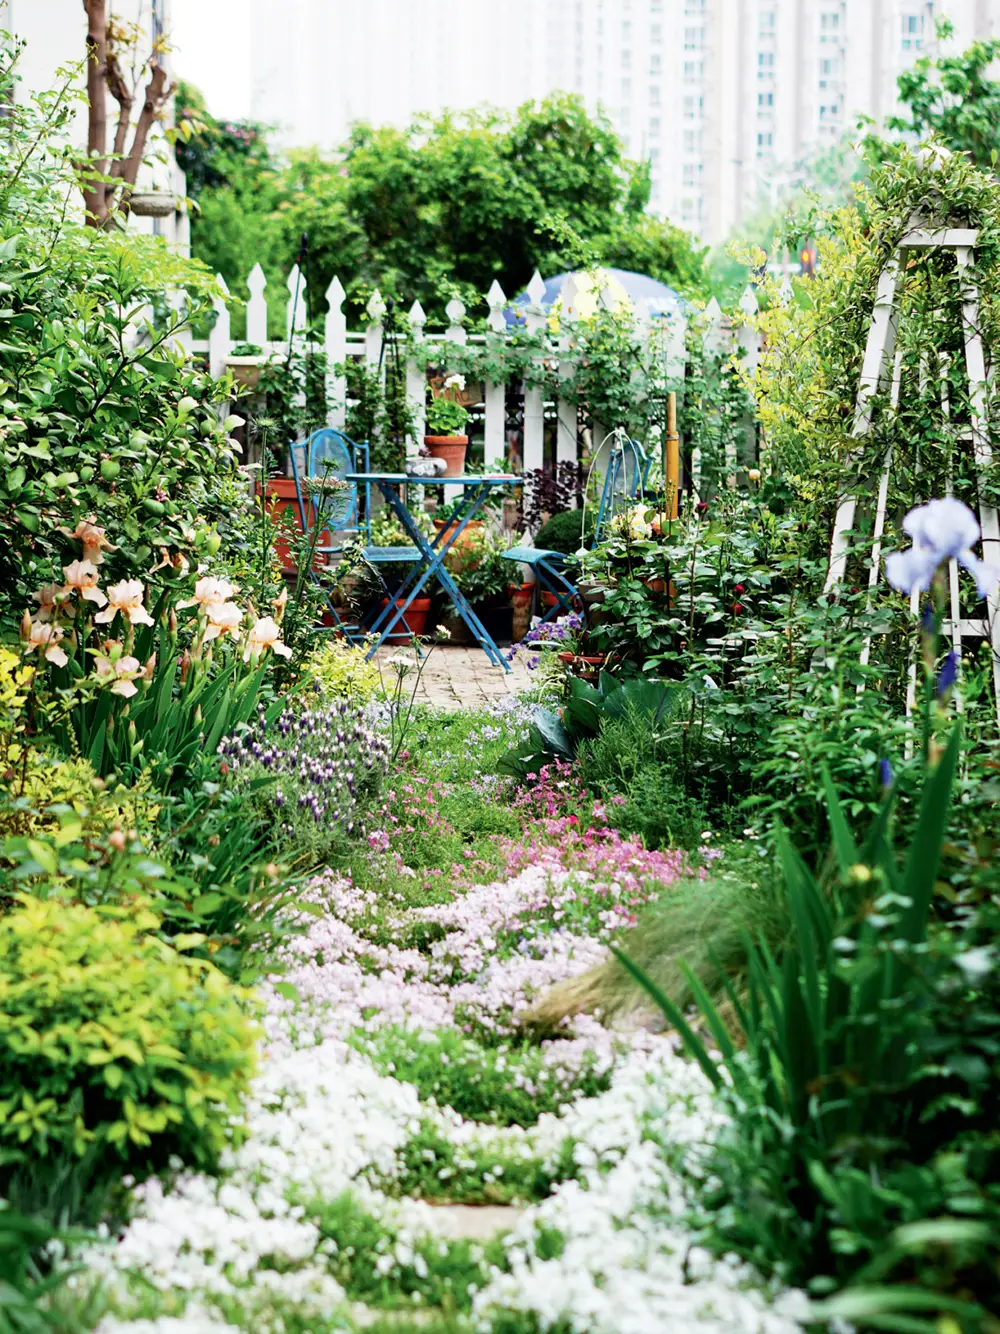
94,197
107,180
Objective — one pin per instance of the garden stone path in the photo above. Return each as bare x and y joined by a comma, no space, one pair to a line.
474,1222
463,678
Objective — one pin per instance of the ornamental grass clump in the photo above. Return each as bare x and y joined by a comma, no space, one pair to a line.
119,1053
314,773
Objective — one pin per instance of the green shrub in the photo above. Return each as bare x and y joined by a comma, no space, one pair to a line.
563,532
340,670
117,1052
102,415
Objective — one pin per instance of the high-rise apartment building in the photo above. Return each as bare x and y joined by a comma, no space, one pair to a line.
723,97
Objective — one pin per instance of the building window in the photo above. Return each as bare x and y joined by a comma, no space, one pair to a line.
654,126
913,31
693,70
626,60
654,157
625,116
693,38
765,60
829,112
767,22
655,32
693,107
690,173
765,141
829,22
654,94
692,141
654,63
765,101
626,31
626,87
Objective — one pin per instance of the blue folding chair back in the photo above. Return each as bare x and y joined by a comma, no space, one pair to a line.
625,476
329,455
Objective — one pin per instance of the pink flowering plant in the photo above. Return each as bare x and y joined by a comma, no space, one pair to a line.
144,672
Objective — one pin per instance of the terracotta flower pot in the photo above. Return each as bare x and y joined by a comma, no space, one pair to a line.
451,448
520,601
282,497
659,586
414,618
550,600
459,557
583,665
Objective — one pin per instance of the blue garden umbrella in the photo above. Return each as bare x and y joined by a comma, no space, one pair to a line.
614,288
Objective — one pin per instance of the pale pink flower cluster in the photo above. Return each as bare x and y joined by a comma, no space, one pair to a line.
57,621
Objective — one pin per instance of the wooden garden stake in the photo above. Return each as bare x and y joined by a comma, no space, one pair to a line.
672,457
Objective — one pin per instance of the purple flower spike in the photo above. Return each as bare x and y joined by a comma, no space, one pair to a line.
948,674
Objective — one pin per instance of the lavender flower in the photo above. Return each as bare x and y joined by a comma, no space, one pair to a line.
330,762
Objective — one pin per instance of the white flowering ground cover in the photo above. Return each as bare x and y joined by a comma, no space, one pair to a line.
395,1079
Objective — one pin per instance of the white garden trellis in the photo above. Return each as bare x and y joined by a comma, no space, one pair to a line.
880,353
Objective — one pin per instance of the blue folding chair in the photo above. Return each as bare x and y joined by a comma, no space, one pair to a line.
331,454
625,478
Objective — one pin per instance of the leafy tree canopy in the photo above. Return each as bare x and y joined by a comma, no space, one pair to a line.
953,99
442,207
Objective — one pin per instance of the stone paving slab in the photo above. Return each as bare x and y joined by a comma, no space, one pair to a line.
462,678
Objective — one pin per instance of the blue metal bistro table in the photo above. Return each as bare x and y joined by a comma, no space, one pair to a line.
430,563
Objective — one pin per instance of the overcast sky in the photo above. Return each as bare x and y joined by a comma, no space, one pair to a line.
211,41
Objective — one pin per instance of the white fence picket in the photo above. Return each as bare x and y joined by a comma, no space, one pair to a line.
298,303
219,337
257,307
335,332
534,406
416,382
495,393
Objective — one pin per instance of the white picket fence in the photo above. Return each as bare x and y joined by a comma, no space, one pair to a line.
663,335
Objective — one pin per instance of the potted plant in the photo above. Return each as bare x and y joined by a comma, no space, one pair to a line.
379,577
483,577
245,362
446,418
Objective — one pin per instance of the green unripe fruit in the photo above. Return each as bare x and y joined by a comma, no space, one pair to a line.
110,468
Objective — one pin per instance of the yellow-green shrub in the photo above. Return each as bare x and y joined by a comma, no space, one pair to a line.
339,670
117,1050
39,782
